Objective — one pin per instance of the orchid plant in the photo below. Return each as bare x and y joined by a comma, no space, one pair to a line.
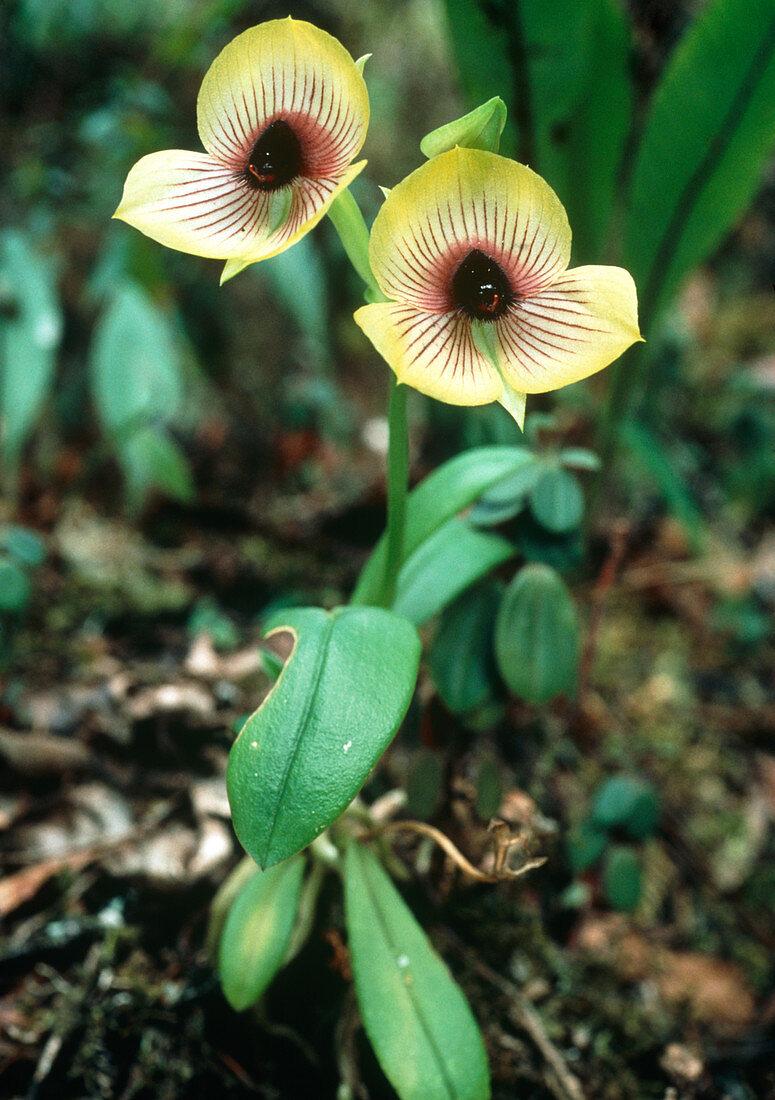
470,301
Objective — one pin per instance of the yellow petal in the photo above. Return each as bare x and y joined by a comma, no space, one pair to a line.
288,69
577,327
433,353
189,201
462,200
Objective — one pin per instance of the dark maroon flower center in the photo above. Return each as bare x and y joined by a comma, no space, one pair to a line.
276,158
480,288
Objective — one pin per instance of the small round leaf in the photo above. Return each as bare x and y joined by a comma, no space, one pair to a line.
557,501
536,636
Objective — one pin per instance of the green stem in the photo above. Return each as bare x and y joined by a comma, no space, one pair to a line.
397,488
347,219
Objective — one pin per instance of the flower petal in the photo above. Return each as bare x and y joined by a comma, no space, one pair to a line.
287,69
189,201
575,328
434,353
462,200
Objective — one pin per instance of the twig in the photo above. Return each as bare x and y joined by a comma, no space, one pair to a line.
502,847
561,1082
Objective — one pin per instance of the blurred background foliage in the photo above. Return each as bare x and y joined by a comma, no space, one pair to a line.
179,459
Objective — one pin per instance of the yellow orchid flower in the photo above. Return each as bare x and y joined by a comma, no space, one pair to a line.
282,112
472,250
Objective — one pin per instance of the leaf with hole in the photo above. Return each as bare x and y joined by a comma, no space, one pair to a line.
306,752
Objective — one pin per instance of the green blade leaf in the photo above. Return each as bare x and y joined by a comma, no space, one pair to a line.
416,1017
537,56
445,492
461,658
305,753
707,139
450,561
30,331
536,636
152,459
257,931
597,131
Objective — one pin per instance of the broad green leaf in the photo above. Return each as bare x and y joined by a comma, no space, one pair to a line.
627,802
257,931
706,141
305,753
597,131
416,1017
536,56
557,501
15,587
507,497
536,636
21,543
30,331
622,879
461,657
450,561
445,492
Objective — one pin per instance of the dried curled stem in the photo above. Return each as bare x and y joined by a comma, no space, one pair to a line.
503,842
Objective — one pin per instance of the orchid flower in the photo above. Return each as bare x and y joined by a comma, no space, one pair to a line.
472,252
282,112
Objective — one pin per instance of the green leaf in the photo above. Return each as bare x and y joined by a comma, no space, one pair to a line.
579,458
424,784
30,331
557,501
489,788
622,879
298,279
415,1015
445,492
707,139
536,636
508,496
450,561
628,802
461,658
585,847
257,931
135,366
138,389
15,587
479,129
305,753
21,543
538,57
153,460
597,131
222,903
